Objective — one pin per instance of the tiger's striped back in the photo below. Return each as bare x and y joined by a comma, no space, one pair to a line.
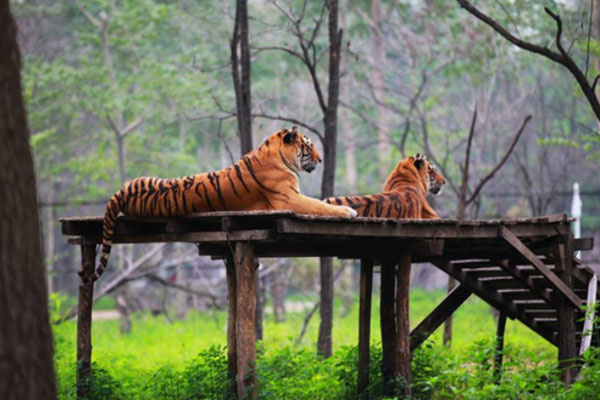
264,179
404,194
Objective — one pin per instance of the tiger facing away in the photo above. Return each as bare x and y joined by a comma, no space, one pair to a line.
404,192
264,179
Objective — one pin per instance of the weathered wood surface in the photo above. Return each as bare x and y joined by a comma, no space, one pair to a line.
387,314
245,276
84,321
403,354
559,285
231,327
566,340
499,351
364,325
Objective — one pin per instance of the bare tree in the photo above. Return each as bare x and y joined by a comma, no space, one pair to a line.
467,196
562,57
26,365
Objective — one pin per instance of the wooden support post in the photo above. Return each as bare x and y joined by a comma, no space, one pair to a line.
499,347
563,256
231,334
387,314
245,326
364,327
403,354
441,313
84,321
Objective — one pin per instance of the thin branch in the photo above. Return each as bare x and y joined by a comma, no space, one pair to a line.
562,57
500,163
464,184
546,52
587,50
132,126
88,15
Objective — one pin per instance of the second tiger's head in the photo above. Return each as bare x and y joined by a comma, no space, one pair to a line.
297,151
435,180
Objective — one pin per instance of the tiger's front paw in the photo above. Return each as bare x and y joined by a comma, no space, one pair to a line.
350,212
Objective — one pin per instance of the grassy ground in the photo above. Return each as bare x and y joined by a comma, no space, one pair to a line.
157,350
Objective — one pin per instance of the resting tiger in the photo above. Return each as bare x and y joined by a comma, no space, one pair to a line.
404,192
264,179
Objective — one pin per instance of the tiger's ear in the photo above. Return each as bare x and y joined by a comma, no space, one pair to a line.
290,136
419,160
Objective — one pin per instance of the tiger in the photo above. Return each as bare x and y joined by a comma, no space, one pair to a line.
404,192
264,179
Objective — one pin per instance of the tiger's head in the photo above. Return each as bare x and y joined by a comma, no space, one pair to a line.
435,181
297,151
429,177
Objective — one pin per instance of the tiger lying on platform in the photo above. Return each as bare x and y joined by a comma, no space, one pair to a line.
404,192
264,179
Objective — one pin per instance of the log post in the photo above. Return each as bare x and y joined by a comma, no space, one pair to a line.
364,327
499,353
403,354
231,334
245,326
84,320
387,315
567,352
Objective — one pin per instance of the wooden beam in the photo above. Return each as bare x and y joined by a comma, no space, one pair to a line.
499,352
588,324
566,340
84,321
231,325
245,329
403,354
556,283
364,326
403,229
387,314
446,308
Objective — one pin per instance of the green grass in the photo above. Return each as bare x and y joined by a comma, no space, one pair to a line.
162,357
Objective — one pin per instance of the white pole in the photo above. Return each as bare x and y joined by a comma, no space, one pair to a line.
576,206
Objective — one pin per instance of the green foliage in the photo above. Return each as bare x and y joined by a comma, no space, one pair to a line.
187,359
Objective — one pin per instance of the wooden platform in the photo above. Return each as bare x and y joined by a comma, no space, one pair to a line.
525,268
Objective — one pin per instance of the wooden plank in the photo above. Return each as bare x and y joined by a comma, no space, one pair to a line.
588,323
231,325
387,314
557,284
84,321
407,230
403,354
563,255
527,280
364,325
499,351
245,276
584,244
190,237
451,303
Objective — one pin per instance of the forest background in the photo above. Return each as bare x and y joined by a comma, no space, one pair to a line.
119,89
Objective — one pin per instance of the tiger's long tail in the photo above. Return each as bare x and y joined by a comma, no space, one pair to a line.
113,208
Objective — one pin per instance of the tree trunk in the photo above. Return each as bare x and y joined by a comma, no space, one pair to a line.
379,92
241,75
26,365
327,184
278,295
